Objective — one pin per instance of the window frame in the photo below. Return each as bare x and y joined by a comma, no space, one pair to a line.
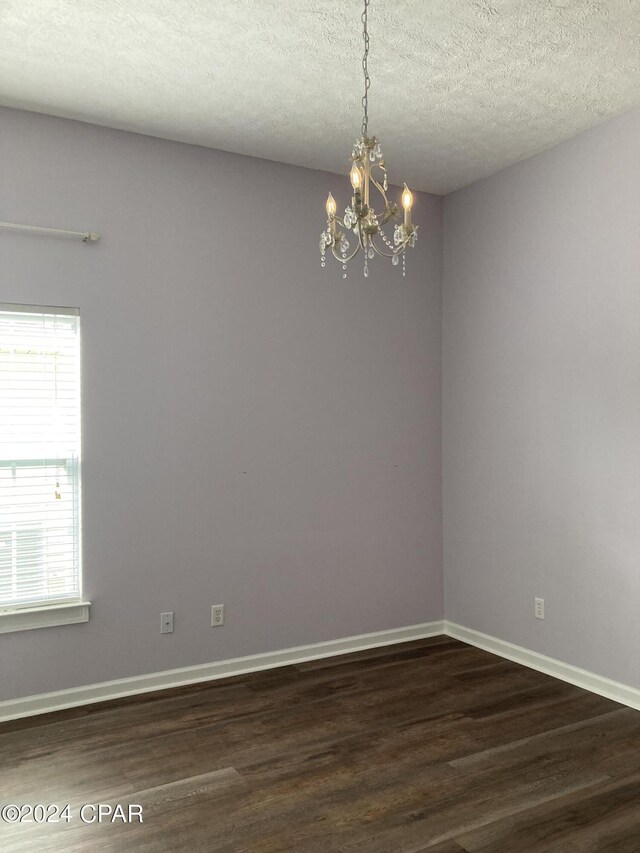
63,611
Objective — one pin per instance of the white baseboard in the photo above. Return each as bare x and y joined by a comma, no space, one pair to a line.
46,702
615,690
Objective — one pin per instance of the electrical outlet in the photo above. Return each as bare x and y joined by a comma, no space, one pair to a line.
217,615
166,623
538,608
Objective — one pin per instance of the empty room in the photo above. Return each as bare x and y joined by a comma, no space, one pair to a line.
320,426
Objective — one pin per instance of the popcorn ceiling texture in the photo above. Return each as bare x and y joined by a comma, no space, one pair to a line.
460,89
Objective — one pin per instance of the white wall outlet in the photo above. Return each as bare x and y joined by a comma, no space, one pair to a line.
538,608
166,623
217,615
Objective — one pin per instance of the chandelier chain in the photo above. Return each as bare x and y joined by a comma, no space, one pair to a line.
365,58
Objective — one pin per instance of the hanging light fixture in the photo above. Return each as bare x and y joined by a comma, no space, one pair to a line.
360,217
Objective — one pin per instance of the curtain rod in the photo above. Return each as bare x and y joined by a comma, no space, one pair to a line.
87,236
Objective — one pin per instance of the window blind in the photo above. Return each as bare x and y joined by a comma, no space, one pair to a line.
39,455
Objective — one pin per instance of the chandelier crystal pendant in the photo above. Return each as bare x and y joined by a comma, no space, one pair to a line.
368,169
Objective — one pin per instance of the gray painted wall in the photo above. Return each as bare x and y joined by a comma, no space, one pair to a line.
257,431
542,402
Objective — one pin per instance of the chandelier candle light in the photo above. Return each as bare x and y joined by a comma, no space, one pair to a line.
360,217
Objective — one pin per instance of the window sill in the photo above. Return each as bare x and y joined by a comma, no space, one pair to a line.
46,616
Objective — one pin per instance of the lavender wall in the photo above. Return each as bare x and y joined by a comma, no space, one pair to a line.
542,402
257,431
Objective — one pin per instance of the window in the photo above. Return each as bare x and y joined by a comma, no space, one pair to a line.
39,463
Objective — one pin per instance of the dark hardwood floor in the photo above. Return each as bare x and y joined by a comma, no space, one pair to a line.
432,745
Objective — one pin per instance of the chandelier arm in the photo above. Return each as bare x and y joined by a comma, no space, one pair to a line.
399,251
346,258
382,192
359,245
394,252
390,209
378,187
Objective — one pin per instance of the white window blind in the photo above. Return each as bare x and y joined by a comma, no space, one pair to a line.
39,455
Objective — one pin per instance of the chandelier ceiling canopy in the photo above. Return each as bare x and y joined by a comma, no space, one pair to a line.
368,171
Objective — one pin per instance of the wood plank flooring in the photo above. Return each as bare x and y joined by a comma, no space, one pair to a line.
426,746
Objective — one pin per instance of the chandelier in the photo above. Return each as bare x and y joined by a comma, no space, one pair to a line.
368,170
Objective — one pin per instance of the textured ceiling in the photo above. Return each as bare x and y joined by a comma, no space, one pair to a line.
460,88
